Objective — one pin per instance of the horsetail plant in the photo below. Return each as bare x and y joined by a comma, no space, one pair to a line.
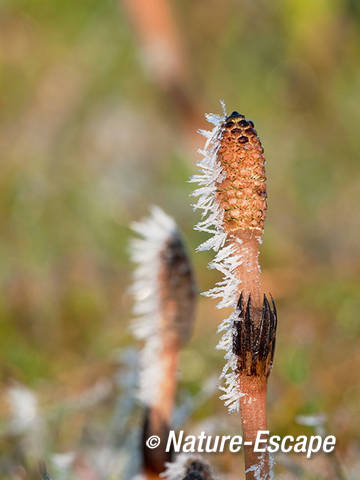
187,467
165,294
232,197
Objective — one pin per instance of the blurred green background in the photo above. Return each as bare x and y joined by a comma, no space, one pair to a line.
97,123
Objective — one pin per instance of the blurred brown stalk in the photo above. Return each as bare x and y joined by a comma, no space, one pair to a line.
164,56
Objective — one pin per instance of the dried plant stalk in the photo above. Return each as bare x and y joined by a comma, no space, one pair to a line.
154,23
164,55
232,195
164,290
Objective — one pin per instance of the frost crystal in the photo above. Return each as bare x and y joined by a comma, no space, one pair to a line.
225,261
155,231
183,465
257,469
176,470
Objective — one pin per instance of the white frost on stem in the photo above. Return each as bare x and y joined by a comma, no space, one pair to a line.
175,470
179,468
226,260
258,469
155,231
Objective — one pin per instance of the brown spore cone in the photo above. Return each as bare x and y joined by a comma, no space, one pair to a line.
197,469
242,193
177,293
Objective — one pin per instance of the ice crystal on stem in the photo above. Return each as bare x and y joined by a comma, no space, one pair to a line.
232,199
145,252
165,292
188,467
